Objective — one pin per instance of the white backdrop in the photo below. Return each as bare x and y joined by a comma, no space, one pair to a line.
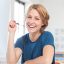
4,17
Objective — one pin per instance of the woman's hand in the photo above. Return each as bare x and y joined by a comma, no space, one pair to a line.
12,26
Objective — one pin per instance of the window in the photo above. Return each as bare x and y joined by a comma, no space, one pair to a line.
19,18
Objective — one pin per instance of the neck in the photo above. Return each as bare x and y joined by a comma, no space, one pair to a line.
34,36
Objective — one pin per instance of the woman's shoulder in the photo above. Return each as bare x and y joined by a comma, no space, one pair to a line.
47,33
48,38
23,37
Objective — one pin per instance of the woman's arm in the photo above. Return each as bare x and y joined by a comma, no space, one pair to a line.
48,53
13,54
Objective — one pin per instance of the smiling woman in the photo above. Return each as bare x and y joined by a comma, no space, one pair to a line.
37,46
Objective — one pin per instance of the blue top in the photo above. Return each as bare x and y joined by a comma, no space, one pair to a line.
33,50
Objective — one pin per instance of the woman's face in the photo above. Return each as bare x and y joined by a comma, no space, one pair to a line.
33,21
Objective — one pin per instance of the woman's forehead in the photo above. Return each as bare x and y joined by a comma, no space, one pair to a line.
33,12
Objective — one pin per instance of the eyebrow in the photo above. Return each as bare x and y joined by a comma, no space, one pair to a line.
35,16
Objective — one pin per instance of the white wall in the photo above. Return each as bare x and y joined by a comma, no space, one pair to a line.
4,17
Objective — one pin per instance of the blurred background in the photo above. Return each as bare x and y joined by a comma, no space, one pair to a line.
16,9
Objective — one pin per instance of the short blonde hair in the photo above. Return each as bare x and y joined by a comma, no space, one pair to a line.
42,12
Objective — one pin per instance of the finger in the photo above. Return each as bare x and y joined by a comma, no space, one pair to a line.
12,24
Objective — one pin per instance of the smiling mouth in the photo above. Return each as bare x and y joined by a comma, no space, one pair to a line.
30,26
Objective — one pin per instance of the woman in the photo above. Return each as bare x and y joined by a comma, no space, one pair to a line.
36,47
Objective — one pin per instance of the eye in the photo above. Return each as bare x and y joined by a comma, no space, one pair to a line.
29,17
37,18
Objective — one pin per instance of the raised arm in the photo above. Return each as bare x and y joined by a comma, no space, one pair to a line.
13,54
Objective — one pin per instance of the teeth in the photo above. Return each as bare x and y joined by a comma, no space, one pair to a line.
31,26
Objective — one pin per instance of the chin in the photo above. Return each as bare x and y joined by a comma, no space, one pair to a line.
31,31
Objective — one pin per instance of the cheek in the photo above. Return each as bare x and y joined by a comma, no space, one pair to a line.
40,26
26,24
40,23
26,21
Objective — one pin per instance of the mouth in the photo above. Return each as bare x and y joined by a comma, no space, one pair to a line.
31,26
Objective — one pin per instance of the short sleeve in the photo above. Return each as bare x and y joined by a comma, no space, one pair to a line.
49,39
18,43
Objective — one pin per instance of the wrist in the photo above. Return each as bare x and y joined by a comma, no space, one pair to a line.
11,34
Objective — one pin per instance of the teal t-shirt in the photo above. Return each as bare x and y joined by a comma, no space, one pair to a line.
33,50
